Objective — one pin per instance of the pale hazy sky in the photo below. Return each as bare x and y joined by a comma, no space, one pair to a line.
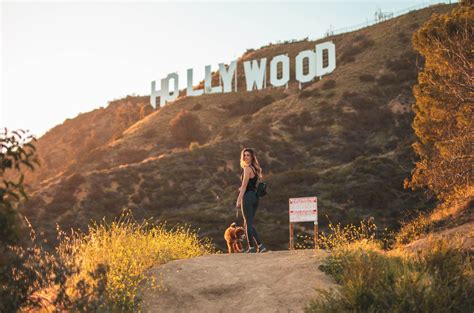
62,58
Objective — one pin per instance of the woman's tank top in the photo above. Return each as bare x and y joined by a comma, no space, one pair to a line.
252,184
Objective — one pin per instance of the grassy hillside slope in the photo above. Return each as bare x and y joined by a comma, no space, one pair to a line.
345,139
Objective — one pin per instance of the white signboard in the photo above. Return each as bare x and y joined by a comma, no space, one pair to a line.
304,209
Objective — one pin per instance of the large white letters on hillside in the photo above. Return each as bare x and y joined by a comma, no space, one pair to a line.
227,74
164,92
255,74
189,88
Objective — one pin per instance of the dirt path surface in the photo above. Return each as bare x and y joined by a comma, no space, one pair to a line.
276,281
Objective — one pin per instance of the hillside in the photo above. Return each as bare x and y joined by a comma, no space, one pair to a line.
345,139
64,145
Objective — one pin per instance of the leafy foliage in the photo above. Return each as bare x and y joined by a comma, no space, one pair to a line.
372,280
443,121
186,127
248,106
17,152
34,278
100,271
132,247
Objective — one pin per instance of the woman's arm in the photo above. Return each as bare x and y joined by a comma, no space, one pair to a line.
245,181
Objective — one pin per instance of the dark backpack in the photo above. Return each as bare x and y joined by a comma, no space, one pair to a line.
261,189
261,186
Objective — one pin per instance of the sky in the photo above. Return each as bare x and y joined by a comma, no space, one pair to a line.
59,59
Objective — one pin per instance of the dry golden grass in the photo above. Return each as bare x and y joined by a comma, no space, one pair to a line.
438,278
127,248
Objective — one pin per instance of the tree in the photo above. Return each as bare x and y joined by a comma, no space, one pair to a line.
26,272
444,102
186,127
17,152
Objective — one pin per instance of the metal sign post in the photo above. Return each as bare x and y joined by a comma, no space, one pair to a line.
303,210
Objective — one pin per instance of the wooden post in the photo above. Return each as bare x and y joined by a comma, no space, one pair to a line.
315,235
291,236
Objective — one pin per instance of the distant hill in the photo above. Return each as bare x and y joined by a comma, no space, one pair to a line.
345,139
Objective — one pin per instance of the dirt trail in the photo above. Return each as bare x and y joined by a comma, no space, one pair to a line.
276,281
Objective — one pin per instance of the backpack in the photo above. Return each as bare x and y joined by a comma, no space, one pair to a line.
261,187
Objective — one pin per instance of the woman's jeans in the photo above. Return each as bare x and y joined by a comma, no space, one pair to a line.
250,204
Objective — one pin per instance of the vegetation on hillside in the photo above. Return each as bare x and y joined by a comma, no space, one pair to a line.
17,154
98,271
437,279
345,138
186,127
444,121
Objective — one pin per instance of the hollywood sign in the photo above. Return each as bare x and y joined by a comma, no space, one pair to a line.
255,74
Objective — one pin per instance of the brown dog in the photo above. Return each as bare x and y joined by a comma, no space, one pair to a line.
234,235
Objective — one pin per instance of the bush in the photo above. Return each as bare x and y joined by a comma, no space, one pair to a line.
387,79
186,127
306,93
338,237
414,229
403,38
437,280
33,279
406,61
129,156
247,106
98,271
250,50
298,121
17,153
131,247
329,84
150,133
358,45
197,107
366,78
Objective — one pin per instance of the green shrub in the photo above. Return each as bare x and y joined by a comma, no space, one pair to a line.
97,271
329,84
247,106
131,247
439,279
150,133
359,44
403,38
306,93
34,279
366,78
197,107
387,79
186,127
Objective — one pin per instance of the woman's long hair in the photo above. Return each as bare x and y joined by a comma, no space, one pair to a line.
254,161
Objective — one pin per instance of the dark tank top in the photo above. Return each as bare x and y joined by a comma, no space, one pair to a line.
252,184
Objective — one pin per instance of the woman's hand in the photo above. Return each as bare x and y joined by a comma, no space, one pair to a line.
238,203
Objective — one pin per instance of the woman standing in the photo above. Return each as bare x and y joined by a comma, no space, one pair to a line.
247,199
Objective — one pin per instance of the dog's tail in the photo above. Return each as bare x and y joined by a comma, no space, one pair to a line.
233,224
